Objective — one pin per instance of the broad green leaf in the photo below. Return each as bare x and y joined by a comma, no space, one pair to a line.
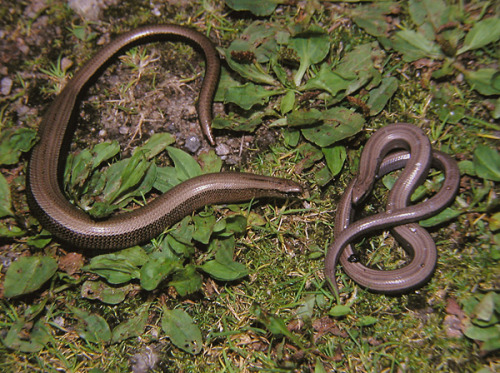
186,281
338,124
13,142
381,95
210,162
367,321
249,95
483,334
339,310
28,274
257,7
414,45
485,81
11,231
103,152
119,267
372,18
251,70
185,165
327,80
323,176
5,201
203,228
225,271
131,327
156,144
155,270
312,47
182,330
304,118
446,215
287,102
487,163
91,327
483,33
246,122
335,157
104,292
17,339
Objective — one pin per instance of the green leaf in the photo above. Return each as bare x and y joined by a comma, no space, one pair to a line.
339,123
287,102
203,228
335,157
372,17
210,162
304,118
225,271
414,45
487,163
340,310
104,292
248,95
91,327
156,144
118,267
155,270
13,142
485,81
259,8
381,95
17,338
28,274
312,47
483,33
251,70
131,327
327,80
367,321
185,165
446,215
186,281
182,331
5,201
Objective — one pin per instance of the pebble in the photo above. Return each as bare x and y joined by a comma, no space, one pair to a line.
5,85
192,144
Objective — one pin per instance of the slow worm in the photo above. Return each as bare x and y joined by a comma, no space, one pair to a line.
378,158
46,165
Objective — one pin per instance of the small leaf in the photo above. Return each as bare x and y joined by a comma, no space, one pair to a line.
182,331
91,327
28,274
104,292
381,95
340,310
312,47
483,33
17,338
155,270
186,281
485,81
185,165
335,157
414,45
367,321
339,123
5,201
131,327
225,271
487,163
13,142
259,8
156,144
249,95
446,215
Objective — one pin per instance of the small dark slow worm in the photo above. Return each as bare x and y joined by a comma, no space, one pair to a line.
73,226
378,158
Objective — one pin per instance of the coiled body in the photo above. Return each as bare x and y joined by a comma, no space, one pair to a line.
400,216
72,225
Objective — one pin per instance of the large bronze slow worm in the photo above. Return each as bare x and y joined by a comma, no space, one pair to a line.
400,216
71,225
